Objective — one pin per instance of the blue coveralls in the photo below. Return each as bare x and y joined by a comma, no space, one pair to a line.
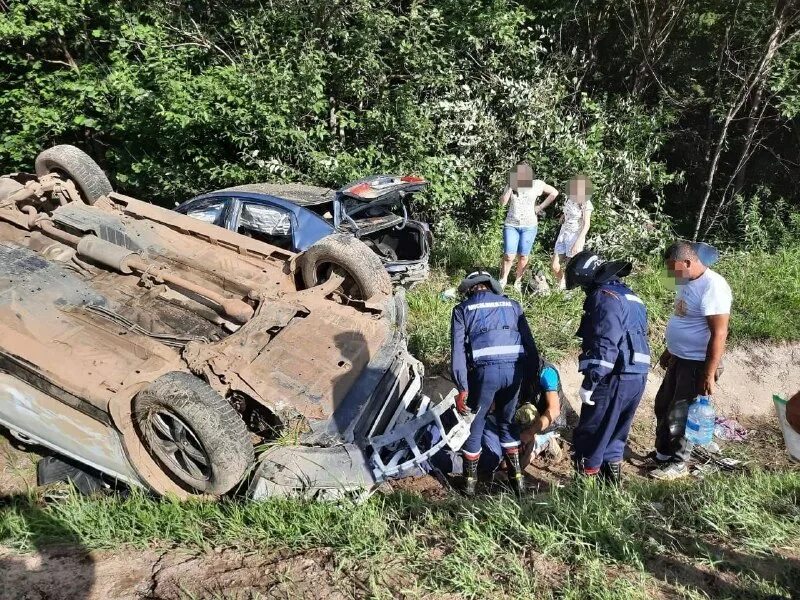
492,351
446,461
614,362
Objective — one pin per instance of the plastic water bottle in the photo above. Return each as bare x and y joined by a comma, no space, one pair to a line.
700,422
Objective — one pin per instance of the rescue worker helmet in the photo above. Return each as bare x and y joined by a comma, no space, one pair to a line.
477,278
587,269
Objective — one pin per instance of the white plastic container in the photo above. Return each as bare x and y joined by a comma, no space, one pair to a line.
790,436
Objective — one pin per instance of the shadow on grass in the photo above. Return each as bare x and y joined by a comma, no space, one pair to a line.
51,563
728,578
645,544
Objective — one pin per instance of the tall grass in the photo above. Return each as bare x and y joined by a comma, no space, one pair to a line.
573,540
766,291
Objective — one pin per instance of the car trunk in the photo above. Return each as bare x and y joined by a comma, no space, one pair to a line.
399,244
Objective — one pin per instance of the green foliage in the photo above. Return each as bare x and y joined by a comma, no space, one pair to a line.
179,99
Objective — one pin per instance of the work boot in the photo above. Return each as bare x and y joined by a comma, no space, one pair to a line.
584,472
611,472
514,472
470,475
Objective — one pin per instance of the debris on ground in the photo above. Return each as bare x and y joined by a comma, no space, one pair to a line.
729,430
449,295
710,462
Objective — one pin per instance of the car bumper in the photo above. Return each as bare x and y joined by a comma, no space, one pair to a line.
407,274
396,451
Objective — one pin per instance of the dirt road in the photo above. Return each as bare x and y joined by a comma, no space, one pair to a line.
71,573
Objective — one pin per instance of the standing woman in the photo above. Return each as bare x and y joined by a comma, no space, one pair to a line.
575,222
519,231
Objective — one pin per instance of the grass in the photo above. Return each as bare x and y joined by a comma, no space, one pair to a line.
766,291
580,542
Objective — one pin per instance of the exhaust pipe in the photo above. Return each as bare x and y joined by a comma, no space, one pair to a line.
127,261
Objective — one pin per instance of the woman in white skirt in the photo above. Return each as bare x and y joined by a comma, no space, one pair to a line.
575,222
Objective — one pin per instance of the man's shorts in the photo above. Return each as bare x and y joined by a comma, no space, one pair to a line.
518,240
565,242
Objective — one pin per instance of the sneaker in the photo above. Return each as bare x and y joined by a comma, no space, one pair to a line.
654,459
671,471
503,283
518,285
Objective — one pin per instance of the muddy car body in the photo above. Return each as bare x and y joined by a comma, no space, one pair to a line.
160,350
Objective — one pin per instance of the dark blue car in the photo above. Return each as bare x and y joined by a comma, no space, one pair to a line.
314,220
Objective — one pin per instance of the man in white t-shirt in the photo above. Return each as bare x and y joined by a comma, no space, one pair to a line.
696,335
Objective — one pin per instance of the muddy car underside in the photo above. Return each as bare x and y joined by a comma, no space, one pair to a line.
100,304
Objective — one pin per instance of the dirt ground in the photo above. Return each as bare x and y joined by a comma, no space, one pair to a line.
68,572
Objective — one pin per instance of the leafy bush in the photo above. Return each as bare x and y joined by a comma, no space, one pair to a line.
173,100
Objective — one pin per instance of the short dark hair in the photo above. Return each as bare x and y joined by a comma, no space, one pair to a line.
681,250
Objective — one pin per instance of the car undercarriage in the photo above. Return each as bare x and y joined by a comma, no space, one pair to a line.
163,351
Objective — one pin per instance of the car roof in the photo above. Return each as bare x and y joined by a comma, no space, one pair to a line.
296,193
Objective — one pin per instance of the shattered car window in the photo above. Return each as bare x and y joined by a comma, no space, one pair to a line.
209,213
265,219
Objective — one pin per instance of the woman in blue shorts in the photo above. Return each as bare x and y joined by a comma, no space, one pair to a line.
519,230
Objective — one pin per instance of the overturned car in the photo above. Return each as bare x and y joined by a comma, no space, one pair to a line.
182,357
312,220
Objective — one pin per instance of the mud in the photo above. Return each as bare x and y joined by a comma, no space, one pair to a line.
70,573
17,466
99,301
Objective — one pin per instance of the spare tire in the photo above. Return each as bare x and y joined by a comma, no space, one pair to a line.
193,433
365,275
73,163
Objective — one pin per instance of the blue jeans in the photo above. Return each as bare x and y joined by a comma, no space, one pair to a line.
518,240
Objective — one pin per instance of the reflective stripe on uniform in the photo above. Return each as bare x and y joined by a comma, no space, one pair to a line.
498,350
471,307
510,444
633,298
595,361
638,357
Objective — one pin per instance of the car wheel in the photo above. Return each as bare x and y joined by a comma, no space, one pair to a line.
193,433
73,163
365,276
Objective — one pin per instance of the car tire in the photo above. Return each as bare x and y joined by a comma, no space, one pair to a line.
344,253
193,433
78,166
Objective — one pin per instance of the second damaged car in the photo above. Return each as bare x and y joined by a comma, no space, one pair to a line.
163,351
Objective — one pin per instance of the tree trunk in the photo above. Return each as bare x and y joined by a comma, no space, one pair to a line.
753,120
756,78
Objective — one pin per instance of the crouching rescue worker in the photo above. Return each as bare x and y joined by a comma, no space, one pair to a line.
546,411
492,351
615,359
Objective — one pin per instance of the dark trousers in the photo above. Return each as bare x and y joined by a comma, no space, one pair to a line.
497,384
603,427
677,392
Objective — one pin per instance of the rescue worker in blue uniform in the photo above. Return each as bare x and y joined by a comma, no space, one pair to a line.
493,351
614,361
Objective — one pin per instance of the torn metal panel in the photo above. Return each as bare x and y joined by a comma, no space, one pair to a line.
48,422
397,452
311,473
